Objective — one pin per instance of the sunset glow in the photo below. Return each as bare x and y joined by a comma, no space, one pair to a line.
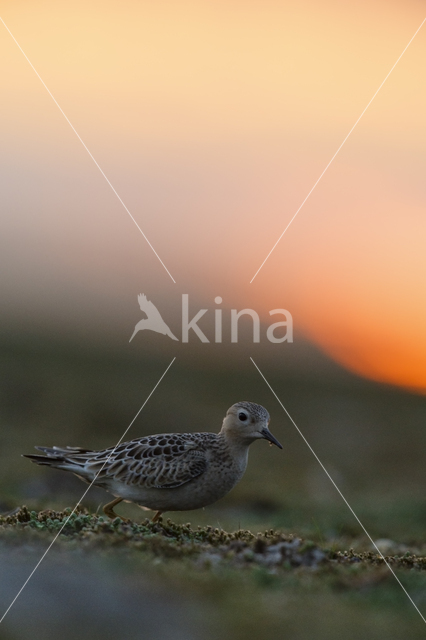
213,121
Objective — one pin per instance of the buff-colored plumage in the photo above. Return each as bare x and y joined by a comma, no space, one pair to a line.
170,471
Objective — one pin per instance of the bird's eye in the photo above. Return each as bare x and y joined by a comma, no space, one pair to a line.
242,417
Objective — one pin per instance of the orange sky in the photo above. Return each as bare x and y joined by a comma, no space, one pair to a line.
213,121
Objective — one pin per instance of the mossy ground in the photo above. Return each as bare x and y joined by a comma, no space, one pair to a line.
272,549
245,583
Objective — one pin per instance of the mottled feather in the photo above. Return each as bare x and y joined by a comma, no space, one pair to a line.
162,461
169,471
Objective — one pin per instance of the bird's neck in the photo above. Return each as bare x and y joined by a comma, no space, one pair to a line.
237,446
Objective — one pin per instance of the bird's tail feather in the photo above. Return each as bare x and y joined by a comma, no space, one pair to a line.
68,458
49,462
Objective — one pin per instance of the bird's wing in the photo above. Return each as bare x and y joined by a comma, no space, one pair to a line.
163,461
149,308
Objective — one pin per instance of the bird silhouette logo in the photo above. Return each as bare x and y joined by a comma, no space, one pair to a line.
153,321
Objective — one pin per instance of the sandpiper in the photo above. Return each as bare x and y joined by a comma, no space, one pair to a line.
169,471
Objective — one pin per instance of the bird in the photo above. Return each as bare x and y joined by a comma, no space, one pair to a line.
153,321
169,471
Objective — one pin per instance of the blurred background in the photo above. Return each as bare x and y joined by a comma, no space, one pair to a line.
213,121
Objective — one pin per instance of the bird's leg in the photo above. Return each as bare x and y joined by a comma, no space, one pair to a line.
157,515
109,509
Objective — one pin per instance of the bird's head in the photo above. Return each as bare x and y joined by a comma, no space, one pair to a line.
246,422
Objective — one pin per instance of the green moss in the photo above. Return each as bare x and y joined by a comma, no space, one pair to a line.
207,547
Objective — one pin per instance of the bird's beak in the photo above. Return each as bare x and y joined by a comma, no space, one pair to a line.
272,439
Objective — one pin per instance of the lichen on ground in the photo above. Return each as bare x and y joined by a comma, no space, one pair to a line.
205,546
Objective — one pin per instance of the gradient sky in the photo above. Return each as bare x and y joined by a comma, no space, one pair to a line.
213,121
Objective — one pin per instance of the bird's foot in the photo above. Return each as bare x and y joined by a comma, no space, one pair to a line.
108,510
